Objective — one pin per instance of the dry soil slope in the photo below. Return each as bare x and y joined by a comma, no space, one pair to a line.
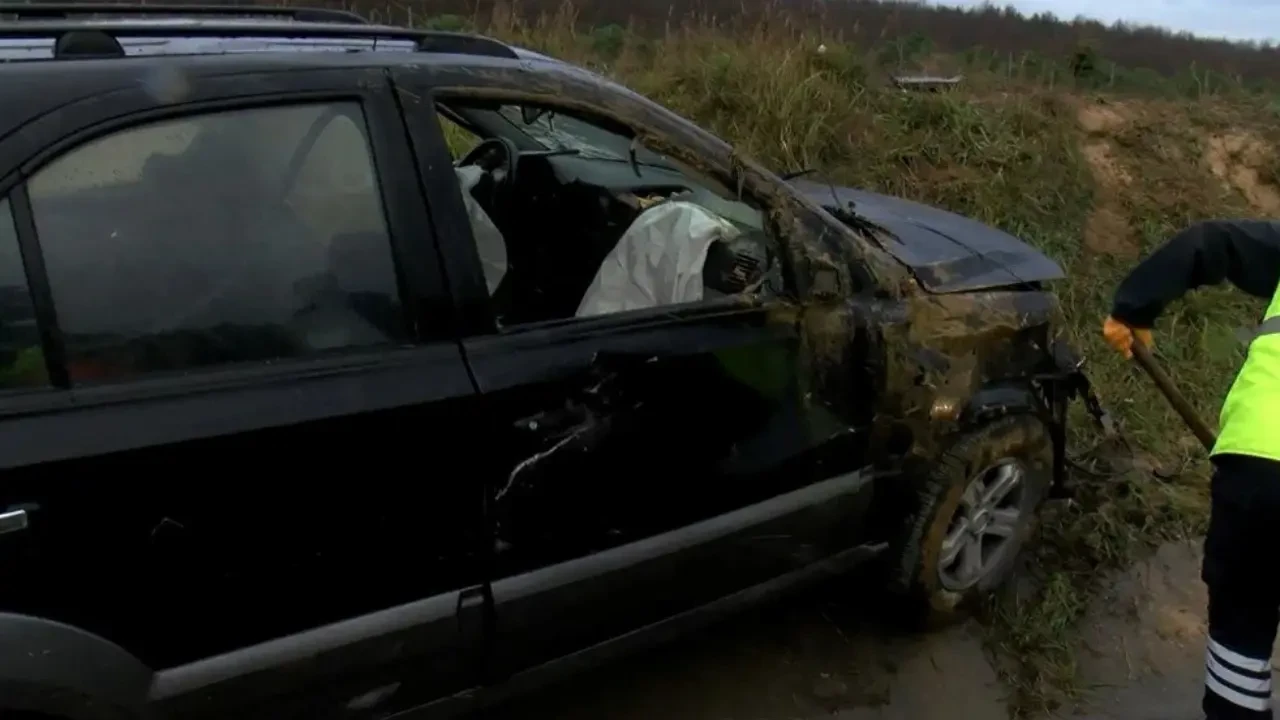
1178,160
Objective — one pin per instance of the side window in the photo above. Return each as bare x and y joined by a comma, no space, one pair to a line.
459,139
236,236
595,223
21,356
335,190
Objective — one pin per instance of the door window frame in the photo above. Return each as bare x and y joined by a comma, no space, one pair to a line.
424,296
695,148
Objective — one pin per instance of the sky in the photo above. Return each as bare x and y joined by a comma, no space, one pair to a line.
1234,19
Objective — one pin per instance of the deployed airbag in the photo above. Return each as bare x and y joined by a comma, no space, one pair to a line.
657,261
489,242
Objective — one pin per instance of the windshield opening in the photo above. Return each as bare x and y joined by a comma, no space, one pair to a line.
555,131
543,128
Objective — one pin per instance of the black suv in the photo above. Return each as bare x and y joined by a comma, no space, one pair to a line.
350,371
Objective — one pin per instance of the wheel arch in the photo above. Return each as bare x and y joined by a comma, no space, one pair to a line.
58,670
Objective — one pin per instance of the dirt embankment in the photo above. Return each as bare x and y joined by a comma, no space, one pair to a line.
1236,159
1144,153
1108,230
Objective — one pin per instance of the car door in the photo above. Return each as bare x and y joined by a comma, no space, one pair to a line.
233,432
645,464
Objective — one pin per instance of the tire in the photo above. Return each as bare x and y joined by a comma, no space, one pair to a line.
939,591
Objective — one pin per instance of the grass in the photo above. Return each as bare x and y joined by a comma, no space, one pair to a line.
1016,156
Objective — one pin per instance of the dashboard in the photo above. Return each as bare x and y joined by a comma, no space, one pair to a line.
623,179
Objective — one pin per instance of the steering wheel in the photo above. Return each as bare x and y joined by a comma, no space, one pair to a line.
498,157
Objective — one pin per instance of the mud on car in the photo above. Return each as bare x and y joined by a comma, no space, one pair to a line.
357,371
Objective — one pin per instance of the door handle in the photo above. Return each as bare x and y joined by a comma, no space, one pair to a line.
13,521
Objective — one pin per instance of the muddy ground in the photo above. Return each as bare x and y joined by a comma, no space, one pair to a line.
819,656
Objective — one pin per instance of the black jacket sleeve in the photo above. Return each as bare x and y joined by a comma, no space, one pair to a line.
1245,252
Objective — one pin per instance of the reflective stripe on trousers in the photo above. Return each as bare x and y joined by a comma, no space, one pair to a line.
1239,679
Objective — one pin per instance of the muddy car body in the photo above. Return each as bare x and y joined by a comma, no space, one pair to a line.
279,439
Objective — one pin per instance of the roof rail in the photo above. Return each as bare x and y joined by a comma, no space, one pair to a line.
67,11
87,44
464,44
426,41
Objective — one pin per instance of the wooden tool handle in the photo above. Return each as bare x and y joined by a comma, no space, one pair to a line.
1142,354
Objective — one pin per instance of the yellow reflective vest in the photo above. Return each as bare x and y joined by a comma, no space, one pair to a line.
1250,419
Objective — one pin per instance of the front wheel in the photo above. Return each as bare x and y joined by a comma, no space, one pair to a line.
977,509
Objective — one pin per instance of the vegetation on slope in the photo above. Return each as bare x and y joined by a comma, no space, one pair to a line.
912,35
1094,180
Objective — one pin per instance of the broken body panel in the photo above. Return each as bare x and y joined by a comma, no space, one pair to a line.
947,253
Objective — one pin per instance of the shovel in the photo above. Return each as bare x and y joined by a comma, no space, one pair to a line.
1142,354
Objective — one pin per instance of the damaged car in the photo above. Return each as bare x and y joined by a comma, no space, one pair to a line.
356,371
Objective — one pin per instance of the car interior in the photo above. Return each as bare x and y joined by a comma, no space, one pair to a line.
574,217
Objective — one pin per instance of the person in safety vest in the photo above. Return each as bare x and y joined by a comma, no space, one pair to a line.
1243,582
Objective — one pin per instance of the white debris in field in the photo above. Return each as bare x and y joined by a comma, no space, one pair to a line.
926,82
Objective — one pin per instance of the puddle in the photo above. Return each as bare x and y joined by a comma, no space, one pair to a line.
806,658
1141,656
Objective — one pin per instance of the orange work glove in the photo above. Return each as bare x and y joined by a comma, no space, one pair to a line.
1120,336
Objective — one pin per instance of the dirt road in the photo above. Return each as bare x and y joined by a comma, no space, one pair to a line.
1143,644
817,656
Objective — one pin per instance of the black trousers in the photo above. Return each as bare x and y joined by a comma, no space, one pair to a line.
1241,573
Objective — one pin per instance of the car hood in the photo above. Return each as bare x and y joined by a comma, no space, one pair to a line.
946,252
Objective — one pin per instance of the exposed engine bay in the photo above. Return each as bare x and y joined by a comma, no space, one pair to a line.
573,232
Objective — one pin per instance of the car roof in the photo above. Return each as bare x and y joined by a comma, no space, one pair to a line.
216,39
31,31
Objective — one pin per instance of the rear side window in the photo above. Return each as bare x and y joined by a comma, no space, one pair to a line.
240,236
21,358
